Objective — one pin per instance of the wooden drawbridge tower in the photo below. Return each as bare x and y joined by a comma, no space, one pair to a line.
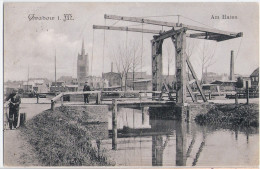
178,34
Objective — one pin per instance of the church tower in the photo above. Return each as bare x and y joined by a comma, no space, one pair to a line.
82,66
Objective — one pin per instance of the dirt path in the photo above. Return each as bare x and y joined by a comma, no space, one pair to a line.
17,151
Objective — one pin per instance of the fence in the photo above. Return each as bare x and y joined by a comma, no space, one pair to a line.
109,95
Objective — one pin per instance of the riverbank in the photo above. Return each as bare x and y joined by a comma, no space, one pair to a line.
17,151
63,138
241,115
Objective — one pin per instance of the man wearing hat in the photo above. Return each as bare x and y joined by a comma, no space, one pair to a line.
14,104
86,88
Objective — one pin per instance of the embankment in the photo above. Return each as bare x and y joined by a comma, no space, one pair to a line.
63,137
241,115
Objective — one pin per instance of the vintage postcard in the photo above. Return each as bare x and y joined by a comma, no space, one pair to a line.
131,84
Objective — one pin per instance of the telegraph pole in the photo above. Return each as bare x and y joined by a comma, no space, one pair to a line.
55,67
28,79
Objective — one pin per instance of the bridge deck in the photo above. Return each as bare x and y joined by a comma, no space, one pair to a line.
130,104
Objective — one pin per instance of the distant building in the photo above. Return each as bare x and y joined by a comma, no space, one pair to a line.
96,82
211,87
209,77
134,77
244,80
143,84
68,80
255,78
58,87
39,85
71,87
9,86
82,67
225,85
114,79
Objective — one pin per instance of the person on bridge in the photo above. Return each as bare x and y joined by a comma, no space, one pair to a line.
86,96
14,103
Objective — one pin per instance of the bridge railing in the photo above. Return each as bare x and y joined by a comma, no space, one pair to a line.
105,95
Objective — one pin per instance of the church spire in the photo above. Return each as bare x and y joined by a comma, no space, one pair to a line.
82,50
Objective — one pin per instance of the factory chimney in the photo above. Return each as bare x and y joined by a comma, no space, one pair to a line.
231,77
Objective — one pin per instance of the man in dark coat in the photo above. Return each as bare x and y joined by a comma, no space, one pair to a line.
86,88
14,104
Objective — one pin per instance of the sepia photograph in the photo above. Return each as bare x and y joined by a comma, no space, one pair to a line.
131,84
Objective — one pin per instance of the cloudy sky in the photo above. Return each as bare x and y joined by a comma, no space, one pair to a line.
33,43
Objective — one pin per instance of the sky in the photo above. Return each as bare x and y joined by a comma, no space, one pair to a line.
31,45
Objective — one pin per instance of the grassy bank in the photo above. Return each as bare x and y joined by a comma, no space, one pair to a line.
231,115
59,139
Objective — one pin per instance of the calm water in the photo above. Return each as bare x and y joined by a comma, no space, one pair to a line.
146,142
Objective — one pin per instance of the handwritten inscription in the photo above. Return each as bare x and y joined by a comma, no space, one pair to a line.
64,17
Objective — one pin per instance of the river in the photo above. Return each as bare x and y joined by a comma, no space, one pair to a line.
143,141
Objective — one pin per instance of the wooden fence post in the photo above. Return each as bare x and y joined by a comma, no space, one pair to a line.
37,98
247,93
52,105
236,99
209,95
98,100
114,124
196,97
61,99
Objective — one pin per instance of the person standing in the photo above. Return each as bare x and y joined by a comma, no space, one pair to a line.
15,101
86,96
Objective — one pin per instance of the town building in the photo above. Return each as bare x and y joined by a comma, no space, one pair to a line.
96,83
58,87
82,67
255,79
68,80
9,86
225,85
209,77
113,78
143,84
39,85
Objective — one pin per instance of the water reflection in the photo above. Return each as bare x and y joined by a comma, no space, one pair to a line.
153,142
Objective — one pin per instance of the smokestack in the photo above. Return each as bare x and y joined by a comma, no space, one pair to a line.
231,77
111,66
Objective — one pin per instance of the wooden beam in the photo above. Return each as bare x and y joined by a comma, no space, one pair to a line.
156,66
180,65
141,20
171,24
126,29
168,34
196,79
164,35
191,93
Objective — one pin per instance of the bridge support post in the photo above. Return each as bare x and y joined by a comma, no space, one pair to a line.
114,124
179,40
156,66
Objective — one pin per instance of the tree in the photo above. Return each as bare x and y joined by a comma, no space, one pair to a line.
127,58
207,57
